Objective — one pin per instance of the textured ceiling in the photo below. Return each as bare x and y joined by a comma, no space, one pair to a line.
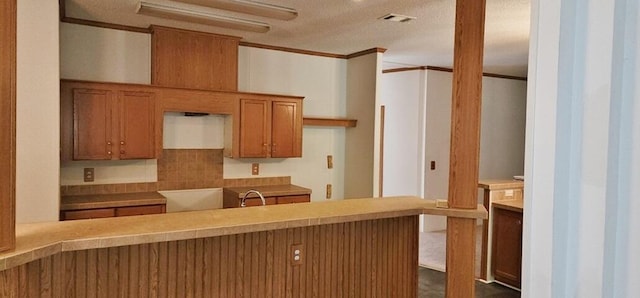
348,26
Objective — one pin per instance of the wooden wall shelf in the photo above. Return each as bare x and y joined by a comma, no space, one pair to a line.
339,122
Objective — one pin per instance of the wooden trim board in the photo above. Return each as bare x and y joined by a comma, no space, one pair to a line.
7,123
446,69
338,122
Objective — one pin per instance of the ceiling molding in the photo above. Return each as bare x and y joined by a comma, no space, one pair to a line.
292,50
366,52
446,69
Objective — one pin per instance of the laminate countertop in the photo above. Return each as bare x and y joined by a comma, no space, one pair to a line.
268,190
513,205
39,240
80,202
496,184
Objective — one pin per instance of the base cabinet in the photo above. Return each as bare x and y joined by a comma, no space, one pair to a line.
112,212
234,201
507,246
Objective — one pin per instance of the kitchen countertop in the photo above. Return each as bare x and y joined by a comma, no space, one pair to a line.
111,200
495,184
39,240
268,190
513,205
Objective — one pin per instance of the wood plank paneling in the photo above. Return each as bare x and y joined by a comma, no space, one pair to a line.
377,258
7,123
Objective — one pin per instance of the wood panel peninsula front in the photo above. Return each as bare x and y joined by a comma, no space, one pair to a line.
344,248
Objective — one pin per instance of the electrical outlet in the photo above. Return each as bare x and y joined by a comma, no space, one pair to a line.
89,175
296,254
255,169
329,191
433,165
329,161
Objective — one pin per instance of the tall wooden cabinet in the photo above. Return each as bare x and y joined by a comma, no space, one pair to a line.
507,246
106,121
7,123
198,60
270,127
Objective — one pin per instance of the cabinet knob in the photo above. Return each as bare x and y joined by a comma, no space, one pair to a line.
108,142
121,142
109,152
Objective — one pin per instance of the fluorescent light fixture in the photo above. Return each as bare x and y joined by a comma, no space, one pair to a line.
249,7
397,18
183,14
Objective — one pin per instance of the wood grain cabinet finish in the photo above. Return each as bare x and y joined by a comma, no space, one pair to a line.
7,123
270,128
507,246
112,212
189,59
107,123
232,201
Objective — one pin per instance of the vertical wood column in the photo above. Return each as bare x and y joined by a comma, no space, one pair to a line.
465,145
7,123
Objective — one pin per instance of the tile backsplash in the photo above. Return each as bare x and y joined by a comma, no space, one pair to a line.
190,169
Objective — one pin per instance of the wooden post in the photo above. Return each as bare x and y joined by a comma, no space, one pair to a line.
7,123
465,145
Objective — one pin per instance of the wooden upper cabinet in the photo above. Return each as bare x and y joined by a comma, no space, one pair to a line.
189,59
270,127
106,121
92,131
254,128
286,129
137,114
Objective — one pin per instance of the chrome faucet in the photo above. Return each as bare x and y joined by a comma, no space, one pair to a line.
243,204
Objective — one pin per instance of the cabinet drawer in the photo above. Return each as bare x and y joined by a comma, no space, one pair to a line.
293,199
140,210
257,202
86,214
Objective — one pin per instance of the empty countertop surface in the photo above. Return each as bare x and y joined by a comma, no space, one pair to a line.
38,240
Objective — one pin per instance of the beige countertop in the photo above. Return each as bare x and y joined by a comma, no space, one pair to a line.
38,240
495,184
513,205
268,190
111,200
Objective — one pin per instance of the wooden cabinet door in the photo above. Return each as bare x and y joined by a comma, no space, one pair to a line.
294,199
137,128
507,246
140,210
254,128
286,129
92,120
88,214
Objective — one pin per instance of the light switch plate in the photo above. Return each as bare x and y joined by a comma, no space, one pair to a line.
255,169
329,191
329,161
89,175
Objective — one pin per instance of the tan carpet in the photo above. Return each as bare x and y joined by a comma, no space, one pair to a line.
432,253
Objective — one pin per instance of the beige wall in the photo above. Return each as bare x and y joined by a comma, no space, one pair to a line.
362,76
38,128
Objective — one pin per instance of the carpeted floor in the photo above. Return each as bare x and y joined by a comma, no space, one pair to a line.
432,253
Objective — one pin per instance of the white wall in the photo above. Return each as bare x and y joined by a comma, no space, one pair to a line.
502,132
582,150
361,172
403,96
98,54
37,112
321,80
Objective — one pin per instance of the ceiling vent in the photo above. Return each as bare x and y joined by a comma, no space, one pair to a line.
397,18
